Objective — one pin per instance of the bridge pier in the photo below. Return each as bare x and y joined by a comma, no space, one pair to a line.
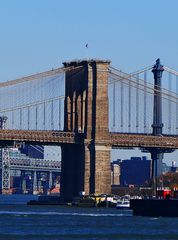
157,154
97,169
72,170
86,167
157,160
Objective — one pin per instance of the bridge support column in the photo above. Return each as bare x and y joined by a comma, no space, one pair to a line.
157,159
97,169
103,170
24,185
35,186
85,169
5,170
72,171
157,154
50,179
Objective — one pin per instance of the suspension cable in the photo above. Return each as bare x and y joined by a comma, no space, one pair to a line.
140,80
38,75
136,72
153,91
167,69
31,104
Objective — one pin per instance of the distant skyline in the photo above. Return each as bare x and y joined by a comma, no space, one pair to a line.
39,35
128,153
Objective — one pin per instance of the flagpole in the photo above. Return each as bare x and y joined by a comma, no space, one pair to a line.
86,46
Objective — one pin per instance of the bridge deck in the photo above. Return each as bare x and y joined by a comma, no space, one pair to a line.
60,137
143,141
35,164
44,137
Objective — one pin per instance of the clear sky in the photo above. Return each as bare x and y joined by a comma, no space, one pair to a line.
38,35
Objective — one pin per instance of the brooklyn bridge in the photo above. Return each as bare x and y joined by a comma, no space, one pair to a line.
88,107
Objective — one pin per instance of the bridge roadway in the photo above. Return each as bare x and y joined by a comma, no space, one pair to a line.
143,141
12,137
9,137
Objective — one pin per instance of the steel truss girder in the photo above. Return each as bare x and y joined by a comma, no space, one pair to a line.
5,163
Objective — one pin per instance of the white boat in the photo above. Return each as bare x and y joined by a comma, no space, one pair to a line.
123,203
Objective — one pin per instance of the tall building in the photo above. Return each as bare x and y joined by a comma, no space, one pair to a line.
135,171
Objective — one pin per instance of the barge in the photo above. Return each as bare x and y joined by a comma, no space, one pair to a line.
164,204
154,207
46,200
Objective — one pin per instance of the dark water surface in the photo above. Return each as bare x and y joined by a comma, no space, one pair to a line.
20,221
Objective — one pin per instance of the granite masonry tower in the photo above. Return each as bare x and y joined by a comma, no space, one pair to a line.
86,167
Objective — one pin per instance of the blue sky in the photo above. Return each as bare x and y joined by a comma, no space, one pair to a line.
38,35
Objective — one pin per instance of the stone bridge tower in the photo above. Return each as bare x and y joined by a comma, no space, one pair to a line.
86,167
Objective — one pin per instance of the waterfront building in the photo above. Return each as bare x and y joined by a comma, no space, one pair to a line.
115,174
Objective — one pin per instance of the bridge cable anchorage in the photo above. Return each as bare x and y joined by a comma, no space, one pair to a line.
149,89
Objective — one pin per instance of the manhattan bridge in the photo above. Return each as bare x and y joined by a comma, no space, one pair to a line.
87,108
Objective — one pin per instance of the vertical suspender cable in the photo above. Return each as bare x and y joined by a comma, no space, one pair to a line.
170,105
122,102
129,122
12,119
114,105
44,116
20,118
52,115
28,118
145,100
137,104
36,115
177,106
59,113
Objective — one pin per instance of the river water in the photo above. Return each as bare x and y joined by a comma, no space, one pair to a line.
21,221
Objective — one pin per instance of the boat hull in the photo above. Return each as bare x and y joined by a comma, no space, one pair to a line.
123,208
154,207
46,200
